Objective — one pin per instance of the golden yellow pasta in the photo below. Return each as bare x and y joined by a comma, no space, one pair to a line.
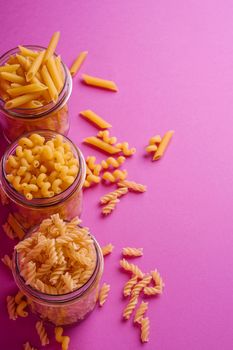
54,73
25,89
112,195
129,285
163,144
35,66
129,251
27,52
12,77
99,82
74,69
145,329
42,333
95,118
52,46
134,269
143,307
130,307
110,206
103,294
107,249
20,100
63,340
49,83
101,145
9,68
7,261
132,185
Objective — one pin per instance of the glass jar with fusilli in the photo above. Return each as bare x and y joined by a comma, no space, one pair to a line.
58,267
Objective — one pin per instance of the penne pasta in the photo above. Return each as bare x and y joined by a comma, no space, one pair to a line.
4,85
106,147
96,119
59,67
9,68
49,83
78,63
35,66
26,89
98,82
27,52
19,101
24,62
163,145
54,73
12,77
32,104
52,46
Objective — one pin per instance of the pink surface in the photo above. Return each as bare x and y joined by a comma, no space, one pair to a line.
172,61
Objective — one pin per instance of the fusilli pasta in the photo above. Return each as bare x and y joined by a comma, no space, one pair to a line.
11,307
129,251
107,209
42,333
112,195
140,312
103,294
145,329
134,269
132,186
63,340
130,307
129,285
107,249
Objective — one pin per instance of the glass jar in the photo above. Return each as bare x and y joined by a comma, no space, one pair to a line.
52,116
29,213
66,308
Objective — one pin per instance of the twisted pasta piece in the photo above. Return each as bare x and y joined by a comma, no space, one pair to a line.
29,273
107,209
128,251
141,284
107,249
130,307
134,186
157,279
7,261
124,146
110,161
143,307
42,333
151,291
145,329
129,285
115,176
52,251
11,307
90,161
57,273
19,296
93,171
27,346
64,340
20,309
113,195
103,294
131,268
104,135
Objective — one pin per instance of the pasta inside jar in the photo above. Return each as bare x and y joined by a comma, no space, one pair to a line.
42,174
58,267
40,112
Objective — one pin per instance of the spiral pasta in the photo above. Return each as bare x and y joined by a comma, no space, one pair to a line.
157,279
129,251
140,285
114,162
129,285
105,136
103,294
131,185
11,307
113,195
93,171
115,175
63,340
107,249
145,329
134,269
140,312
130,307
124,146
7,261
42,333
151,291
107,209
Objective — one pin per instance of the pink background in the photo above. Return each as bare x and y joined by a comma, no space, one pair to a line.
173,64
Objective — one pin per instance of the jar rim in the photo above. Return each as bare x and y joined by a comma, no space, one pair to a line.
46,201
58,298
38,112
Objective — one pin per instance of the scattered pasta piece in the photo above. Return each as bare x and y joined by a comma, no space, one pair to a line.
98,82
107,249
20,309
145,329
129,285
115,176
92,172
76,65
101,145
7,261
103,294
151,148
128,251
95,118
63,340
151,291
141,284
124,146
42,333
130,307
140,312
19,296
157,280
115,163
155,140
134,269
108,208
27,346
104,135
11,307
113,195
163,144
133,186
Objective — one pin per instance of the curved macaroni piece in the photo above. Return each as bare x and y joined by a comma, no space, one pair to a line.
155,140
113,195
107,249
124,146
129,251
130,307
163,144
20,309
42,333
95,119
115,176
107,209
103,294
99,82
19,296
11,307
151,148
115,163
134,269
7,261
104,135
129,285
140,312
64,340
131,185
145,329
141,284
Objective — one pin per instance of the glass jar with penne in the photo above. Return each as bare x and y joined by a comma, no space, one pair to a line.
34,91
58,266
41,174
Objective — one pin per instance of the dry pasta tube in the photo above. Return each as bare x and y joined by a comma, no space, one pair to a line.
27,52
78,63
54,73
12,77
20,100
98,82
163,145
27,89
49,82
10,68
96,119
52,46
35,66
101,145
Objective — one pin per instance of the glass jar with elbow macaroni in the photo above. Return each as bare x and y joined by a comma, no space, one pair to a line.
56,305
41,174
39,111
